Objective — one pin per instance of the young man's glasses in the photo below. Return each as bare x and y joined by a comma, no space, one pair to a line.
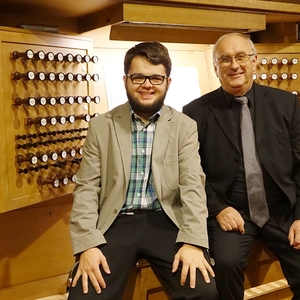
140,78
241,58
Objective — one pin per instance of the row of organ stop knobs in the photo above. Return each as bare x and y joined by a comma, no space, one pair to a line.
279,63
58,57
277,76
72,155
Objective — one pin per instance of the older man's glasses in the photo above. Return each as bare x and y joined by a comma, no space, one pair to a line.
140,78
225,61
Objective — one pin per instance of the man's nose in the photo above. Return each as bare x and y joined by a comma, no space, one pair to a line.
147,82
234,63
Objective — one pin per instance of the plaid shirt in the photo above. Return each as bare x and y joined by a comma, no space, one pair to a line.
141,192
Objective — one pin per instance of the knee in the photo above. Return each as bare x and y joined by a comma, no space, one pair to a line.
205,291
211,292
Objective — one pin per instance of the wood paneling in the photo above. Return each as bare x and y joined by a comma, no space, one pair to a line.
35,252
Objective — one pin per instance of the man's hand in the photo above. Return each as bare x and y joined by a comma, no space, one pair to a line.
294,235
192,258
231,220
89,267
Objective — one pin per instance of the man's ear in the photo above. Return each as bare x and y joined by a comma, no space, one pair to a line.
125,80
215,68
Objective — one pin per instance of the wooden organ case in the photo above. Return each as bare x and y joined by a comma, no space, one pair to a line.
47,101
279,66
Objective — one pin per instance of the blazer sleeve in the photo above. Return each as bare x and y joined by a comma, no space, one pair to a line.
84,215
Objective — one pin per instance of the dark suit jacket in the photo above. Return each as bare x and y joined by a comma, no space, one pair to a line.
277,131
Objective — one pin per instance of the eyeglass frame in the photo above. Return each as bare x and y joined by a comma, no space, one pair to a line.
234,57
147,77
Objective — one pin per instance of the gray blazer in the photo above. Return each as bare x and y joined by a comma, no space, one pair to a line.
103,177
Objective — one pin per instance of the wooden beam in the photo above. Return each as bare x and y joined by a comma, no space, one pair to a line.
182,17
169,35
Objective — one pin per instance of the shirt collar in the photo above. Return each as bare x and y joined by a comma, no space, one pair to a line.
152,119
249,95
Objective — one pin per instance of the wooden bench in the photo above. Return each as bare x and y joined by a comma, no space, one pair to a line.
263,280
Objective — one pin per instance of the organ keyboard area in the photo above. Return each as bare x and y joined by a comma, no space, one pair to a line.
47,102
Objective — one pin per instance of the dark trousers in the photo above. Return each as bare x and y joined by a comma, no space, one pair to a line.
231,250
151,236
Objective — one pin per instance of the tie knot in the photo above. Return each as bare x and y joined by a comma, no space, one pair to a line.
241,100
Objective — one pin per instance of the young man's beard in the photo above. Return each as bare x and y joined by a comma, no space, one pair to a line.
142,108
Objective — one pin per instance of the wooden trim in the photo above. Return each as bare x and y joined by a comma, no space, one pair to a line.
159,15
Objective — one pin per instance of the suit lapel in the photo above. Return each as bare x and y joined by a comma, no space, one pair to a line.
224,115
262,107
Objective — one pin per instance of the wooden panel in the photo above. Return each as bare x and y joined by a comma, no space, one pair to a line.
160,15
35,252
143,285
35,243
37,289
127,32
263,267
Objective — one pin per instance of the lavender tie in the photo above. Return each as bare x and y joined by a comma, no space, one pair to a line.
258,206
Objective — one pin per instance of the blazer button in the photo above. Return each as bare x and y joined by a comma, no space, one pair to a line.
236,159
226,184
115,211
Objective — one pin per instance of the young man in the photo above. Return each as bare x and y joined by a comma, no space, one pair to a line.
140,191
252,178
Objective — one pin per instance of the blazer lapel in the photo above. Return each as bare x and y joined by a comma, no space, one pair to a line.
121,120
161,139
